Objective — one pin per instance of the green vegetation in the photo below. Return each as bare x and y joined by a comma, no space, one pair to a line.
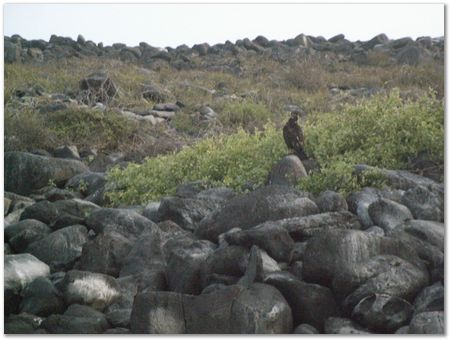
385,132
236,161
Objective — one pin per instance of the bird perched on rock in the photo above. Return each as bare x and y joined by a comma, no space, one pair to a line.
293,135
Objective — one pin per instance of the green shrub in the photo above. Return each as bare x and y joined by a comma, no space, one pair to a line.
383,131
234,161
246,114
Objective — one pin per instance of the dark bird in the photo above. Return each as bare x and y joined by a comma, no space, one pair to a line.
293,135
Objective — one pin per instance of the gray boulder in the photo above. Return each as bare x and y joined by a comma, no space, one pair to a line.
202,318
41,298
428,323
146,260
382,313
424,204
404,180
25,172
287,171
329,201
388,214
335,325
123,221
77,319
304,328
409,55
21,234
87,183
11,52
105,254
310,303
59,214
185,262
253,311
342,259
269,236
128,288
22,269
22,323
384,274
186,212
157,312
60,248
67,152
19,271
303,228
229,261
268,203
92,289
430,299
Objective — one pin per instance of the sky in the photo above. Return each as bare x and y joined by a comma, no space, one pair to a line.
163,25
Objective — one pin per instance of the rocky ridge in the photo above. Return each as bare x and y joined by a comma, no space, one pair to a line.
402,51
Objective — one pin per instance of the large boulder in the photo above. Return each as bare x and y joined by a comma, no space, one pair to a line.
19,235
22,269
185,261
388,214
227,262
25,172
61,248
383,274
87,183
186,212
61,213
77,319
23,323
424,204
146,260
123,221
272,202
382,313
105,254
156,312
303,228
287,171
404,180
335,325
348,259
41,298
329,201
11,52
310,303
19,271
261,309
274,239
428,323
92,289
234,309
430,299
409,55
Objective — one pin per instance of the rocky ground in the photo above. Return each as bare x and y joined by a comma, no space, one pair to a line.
272,260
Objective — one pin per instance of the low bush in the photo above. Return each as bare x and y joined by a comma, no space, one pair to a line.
237,161
383,131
